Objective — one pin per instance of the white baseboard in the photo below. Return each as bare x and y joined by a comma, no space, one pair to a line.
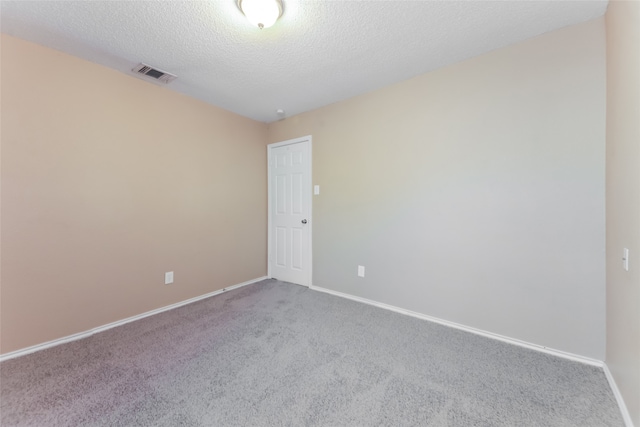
102,328
616,392
574,357
559,353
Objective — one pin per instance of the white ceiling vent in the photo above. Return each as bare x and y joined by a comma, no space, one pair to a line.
154,73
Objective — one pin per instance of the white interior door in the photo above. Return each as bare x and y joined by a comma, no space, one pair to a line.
290,211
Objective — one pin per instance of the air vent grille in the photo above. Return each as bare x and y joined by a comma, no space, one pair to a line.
154,73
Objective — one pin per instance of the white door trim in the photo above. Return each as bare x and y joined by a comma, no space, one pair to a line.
308,196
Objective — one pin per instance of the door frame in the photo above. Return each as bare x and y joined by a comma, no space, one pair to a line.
309,201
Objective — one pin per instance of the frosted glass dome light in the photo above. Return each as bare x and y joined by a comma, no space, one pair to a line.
261,13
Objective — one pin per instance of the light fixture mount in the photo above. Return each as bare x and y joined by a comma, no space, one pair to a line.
261,13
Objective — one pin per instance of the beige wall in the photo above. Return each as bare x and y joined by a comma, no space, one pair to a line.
474,193
109,181
623,199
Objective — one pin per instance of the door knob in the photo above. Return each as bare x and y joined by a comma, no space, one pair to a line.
304,221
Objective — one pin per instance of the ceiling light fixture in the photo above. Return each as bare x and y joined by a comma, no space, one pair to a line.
261,13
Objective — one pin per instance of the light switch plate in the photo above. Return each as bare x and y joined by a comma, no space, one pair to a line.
168,277
360,271
625,259
316,190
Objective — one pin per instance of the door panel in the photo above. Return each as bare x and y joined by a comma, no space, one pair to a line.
290,212
296,248
281,194
281,246
296,194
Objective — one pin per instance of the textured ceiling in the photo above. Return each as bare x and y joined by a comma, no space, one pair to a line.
318,53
